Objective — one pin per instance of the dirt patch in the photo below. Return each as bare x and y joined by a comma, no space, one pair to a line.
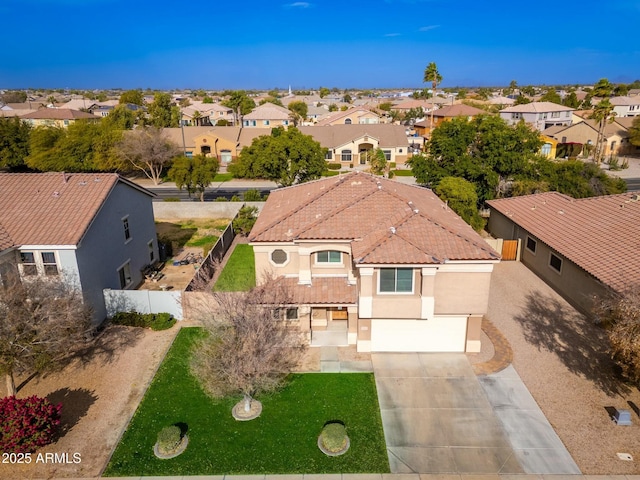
99,392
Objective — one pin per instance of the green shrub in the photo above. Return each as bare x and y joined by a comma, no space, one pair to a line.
221,199
245,220
27,423
392,165
334,437
403,173
154,321
351,165
334,166
169,438
330,173
252,195
236,198
171,199
391,174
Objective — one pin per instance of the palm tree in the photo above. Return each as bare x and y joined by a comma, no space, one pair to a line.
431,74
603,113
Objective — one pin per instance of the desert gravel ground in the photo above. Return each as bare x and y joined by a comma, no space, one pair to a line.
562,358
99,393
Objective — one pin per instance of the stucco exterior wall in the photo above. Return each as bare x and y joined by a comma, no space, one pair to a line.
463,292
208,210
104,250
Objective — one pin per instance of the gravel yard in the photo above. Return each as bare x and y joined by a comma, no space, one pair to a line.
99,394
562,359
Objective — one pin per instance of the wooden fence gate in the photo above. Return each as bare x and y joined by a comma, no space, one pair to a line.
509,249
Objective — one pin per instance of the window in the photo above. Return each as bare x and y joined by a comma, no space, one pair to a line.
265,122
546,149
543,116
279,257
516,115
329,256
555,114
564,140
328,155
555,262
49,263
285,122
152,256
28,261
127,232
396,280
291,314
124,273
531,245
387,155
346,155
347,121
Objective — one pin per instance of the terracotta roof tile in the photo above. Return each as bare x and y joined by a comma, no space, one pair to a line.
51,208
599,234
59,114
386,221
333,290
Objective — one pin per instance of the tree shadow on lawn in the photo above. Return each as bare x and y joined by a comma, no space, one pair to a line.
75,405
581,345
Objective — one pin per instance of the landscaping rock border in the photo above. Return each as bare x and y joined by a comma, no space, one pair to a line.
239,413
181,448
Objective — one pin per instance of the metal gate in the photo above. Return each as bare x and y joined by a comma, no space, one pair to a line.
509,249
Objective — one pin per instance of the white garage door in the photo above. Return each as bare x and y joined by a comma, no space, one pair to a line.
442,334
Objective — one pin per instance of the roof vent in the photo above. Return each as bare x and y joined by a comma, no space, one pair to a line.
410,202
96,179
392,230
561,212
56,194
415,210
83,183
635,197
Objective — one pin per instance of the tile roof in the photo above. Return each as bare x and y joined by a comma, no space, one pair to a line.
336,116
537,107
268,111
599,234
622,101
52,208
324,290
58,114
457,111
386,222
332,136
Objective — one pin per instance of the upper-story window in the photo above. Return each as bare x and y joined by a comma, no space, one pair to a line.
329,256
396,280
347,121
127,230
543,116
49,263
555,115
279,257
516,115
28,261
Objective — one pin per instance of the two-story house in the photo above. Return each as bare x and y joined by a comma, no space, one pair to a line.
423,128
56,117
352,116
97,230
626,106
540,115
376,263
267,115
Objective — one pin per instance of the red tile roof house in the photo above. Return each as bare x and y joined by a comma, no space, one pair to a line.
98,229
376,263
581,248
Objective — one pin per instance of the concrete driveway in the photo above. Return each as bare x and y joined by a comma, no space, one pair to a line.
437,418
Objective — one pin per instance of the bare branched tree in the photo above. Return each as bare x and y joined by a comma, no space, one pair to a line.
148,150
251,347
620,314
42,320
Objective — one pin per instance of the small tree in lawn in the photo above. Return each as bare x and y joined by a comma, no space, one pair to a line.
619,313
250,348
378,162
43,320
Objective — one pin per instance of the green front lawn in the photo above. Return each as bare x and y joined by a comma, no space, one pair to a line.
403,173
223,177
282,440
239,274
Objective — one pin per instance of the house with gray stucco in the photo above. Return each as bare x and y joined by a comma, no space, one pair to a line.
96,230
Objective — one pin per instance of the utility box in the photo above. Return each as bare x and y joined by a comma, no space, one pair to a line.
622,417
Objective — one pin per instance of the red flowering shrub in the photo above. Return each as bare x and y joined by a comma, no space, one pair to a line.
27,423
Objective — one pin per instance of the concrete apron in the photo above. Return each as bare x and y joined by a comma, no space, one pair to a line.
437,419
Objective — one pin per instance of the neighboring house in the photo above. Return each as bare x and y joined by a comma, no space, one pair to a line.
501,100
268,115
626,106
408,104
97,230
220,142
586,133
581,247
550,146
352,116
56,117
376,263
350,144
541,115
206,114
444,114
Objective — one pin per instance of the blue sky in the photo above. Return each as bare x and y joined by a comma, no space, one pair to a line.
248,44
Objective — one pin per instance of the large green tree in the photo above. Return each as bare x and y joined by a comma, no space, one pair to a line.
603,113
135,97
551,96
162,112
14,142
299,111
634,132
194,174
432,75
285,157
462,198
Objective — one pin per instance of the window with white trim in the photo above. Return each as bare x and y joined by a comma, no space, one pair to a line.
555,262
124,273
555,115
28,261
531,245
329,256
387,155
396,280
346,155
49,263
